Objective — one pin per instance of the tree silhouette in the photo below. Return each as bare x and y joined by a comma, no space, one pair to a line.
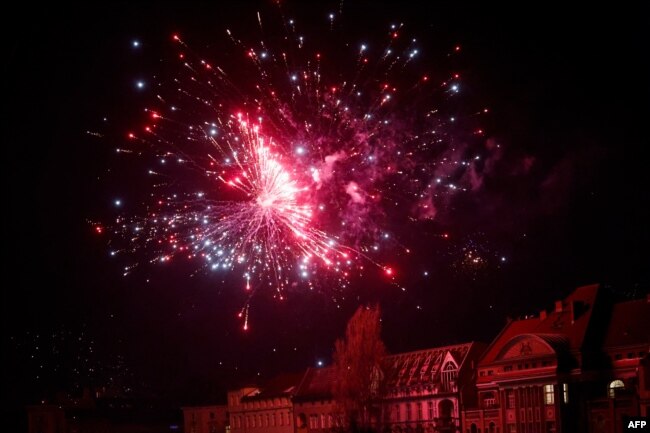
358,367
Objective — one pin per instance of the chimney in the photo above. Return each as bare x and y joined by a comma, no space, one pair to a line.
542,315
558,306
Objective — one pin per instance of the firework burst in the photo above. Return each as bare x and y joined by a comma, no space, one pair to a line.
290,169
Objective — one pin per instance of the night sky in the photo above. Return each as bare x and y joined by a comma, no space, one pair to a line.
564,205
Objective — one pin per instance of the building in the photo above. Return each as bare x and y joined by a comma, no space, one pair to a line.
424,390
314,404
577,368
205,419
267,409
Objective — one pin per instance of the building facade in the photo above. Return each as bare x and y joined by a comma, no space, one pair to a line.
266,409
205,419
315,408
578,368
424,390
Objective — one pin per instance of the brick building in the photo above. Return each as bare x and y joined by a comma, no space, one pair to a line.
424,390
266,409
577,368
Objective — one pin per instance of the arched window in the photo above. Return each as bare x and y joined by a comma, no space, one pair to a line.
449,374
473,429
615,385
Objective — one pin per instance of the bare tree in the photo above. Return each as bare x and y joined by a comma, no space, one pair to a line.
358,366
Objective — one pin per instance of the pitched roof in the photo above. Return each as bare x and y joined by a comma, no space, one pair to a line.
564,327
402,369
317,384
284,385
422,366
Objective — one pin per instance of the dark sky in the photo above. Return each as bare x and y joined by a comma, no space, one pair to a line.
567,90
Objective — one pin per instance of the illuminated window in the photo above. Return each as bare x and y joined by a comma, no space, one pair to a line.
615,385
549,395
565,393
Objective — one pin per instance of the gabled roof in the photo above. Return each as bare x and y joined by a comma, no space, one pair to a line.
401,369
422,366
563,328
284,385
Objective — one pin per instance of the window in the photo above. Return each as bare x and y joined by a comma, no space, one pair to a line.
511,399
282,418
565,393
273,420
419,409
489,402
268,422
615,385
323,421
549,396
330,421
430,409
313,422
397,414
408,411
449,374
618,356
